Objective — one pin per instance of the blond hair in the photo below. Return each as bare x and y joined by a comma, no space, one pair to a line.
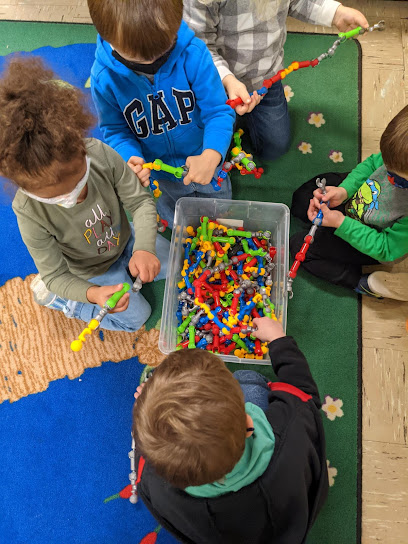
394,143
189,422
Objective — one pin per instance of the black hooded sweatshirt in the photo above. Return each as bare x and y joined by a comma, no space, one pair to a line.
282,504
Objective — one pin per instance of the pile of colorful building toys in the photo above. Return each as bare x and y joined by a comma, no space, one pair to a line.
226,282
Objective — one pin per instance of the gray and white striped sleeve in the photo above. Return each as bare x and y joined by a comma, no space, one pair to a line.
317,12
204,20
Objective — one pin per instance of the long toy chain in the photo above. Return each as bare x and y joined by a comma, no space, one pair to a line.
240,160
308,239
94,324
342,37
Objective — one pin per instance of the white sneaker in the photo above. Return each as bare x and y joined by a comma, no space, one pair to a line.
389,285
44,297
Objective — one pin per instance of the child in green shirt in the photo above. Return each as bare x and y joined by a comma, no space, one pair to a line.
367,221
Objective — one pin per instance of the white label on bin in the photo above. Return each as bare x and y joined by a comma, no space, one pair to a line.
230,222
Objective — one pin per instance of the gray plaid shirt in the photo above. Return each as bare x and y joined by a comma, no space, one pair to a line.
241,43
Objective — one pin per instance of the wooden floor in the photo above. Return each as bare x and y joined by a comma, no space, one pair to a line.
385,339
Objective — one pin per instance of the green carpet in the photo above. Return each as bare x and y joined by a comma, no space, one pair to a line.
323,319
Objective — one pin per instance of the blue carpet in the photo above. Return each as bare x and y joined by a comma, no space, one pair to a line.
65,450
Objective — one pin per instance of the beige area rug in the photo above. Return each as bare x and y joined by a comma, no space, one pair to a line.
35,344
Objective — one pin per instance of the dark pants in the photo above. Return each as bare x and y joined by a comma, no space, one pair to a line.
329,257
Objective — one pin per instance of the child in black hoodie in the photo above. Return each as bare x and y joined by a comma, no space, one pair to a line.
232,458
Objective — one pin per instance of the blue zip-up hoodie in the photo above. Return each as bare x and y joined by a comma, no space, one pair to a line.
182,113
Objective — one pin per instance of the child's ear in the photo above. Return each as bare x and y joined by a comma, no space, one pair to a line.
249,425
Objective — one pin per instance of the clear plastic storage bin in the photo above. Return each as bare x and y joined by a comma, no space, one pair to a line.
250,215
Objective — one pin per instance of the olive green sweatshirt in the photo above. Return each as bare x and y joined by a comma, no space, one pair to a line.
71,245
376,221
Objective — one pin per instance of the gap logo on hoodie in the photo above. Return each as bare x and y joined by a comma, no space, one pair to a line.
160,112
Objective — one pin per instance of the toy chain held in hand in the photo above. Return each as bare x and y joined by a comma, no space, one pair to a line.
308,239
239,159
94,324
342,37
217,303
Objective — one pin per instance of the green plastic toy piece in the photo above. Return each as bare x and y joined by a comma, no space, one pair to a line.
191,337
240,233
237,139
350,33
176,172
183,326
204,225
240,342
114,299
223,240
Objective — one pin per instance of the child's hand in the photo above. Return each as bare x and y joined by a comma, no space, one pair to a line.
268,329
139,389
346,19
135,163
201,168
331,218
145,265
235,89
99,295
336,195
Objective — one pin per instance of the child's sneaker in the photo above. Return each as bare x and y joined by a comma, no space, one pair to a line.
364,287
389,285
44,297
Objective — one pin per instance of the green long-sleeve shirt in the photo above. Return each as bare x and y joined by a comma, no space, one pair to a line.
71,245
377,212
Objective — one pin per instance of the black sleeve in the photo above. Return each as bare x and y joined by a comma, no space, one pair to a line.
291,367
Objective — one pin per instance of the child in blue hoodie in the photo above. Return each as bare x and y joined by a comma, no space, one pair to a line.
159,96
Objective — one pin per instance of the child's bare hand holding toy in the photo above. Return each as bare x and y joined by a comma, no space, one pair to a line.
336,195
268,329
135,163
236,89
99,295
346,19
331,218
201,168
145,265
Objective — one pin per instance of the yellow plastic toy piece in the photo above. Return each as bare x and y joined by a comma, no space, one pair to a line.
76,345
151,166
190,230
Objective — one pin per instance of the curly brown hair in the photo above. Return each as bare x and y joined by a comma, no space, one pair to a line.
43,122
189,421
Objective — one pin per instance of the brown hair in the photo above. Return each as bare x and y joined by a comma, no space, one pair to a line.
43,122
189,421
138,28
394,143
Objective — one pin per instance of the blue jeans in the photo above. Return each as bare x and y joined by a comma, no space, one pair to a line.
254,386
269,124
173,190
139,310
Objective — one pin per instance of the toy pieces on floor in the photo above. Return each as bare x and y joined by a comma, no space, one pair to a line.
218,303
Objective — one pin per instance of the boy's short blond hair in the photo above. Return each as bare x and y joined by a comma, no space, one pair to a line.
394,143
189,422
142,29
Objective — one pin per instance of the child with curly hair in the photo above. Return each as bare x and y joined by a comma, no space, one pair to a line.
70,202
